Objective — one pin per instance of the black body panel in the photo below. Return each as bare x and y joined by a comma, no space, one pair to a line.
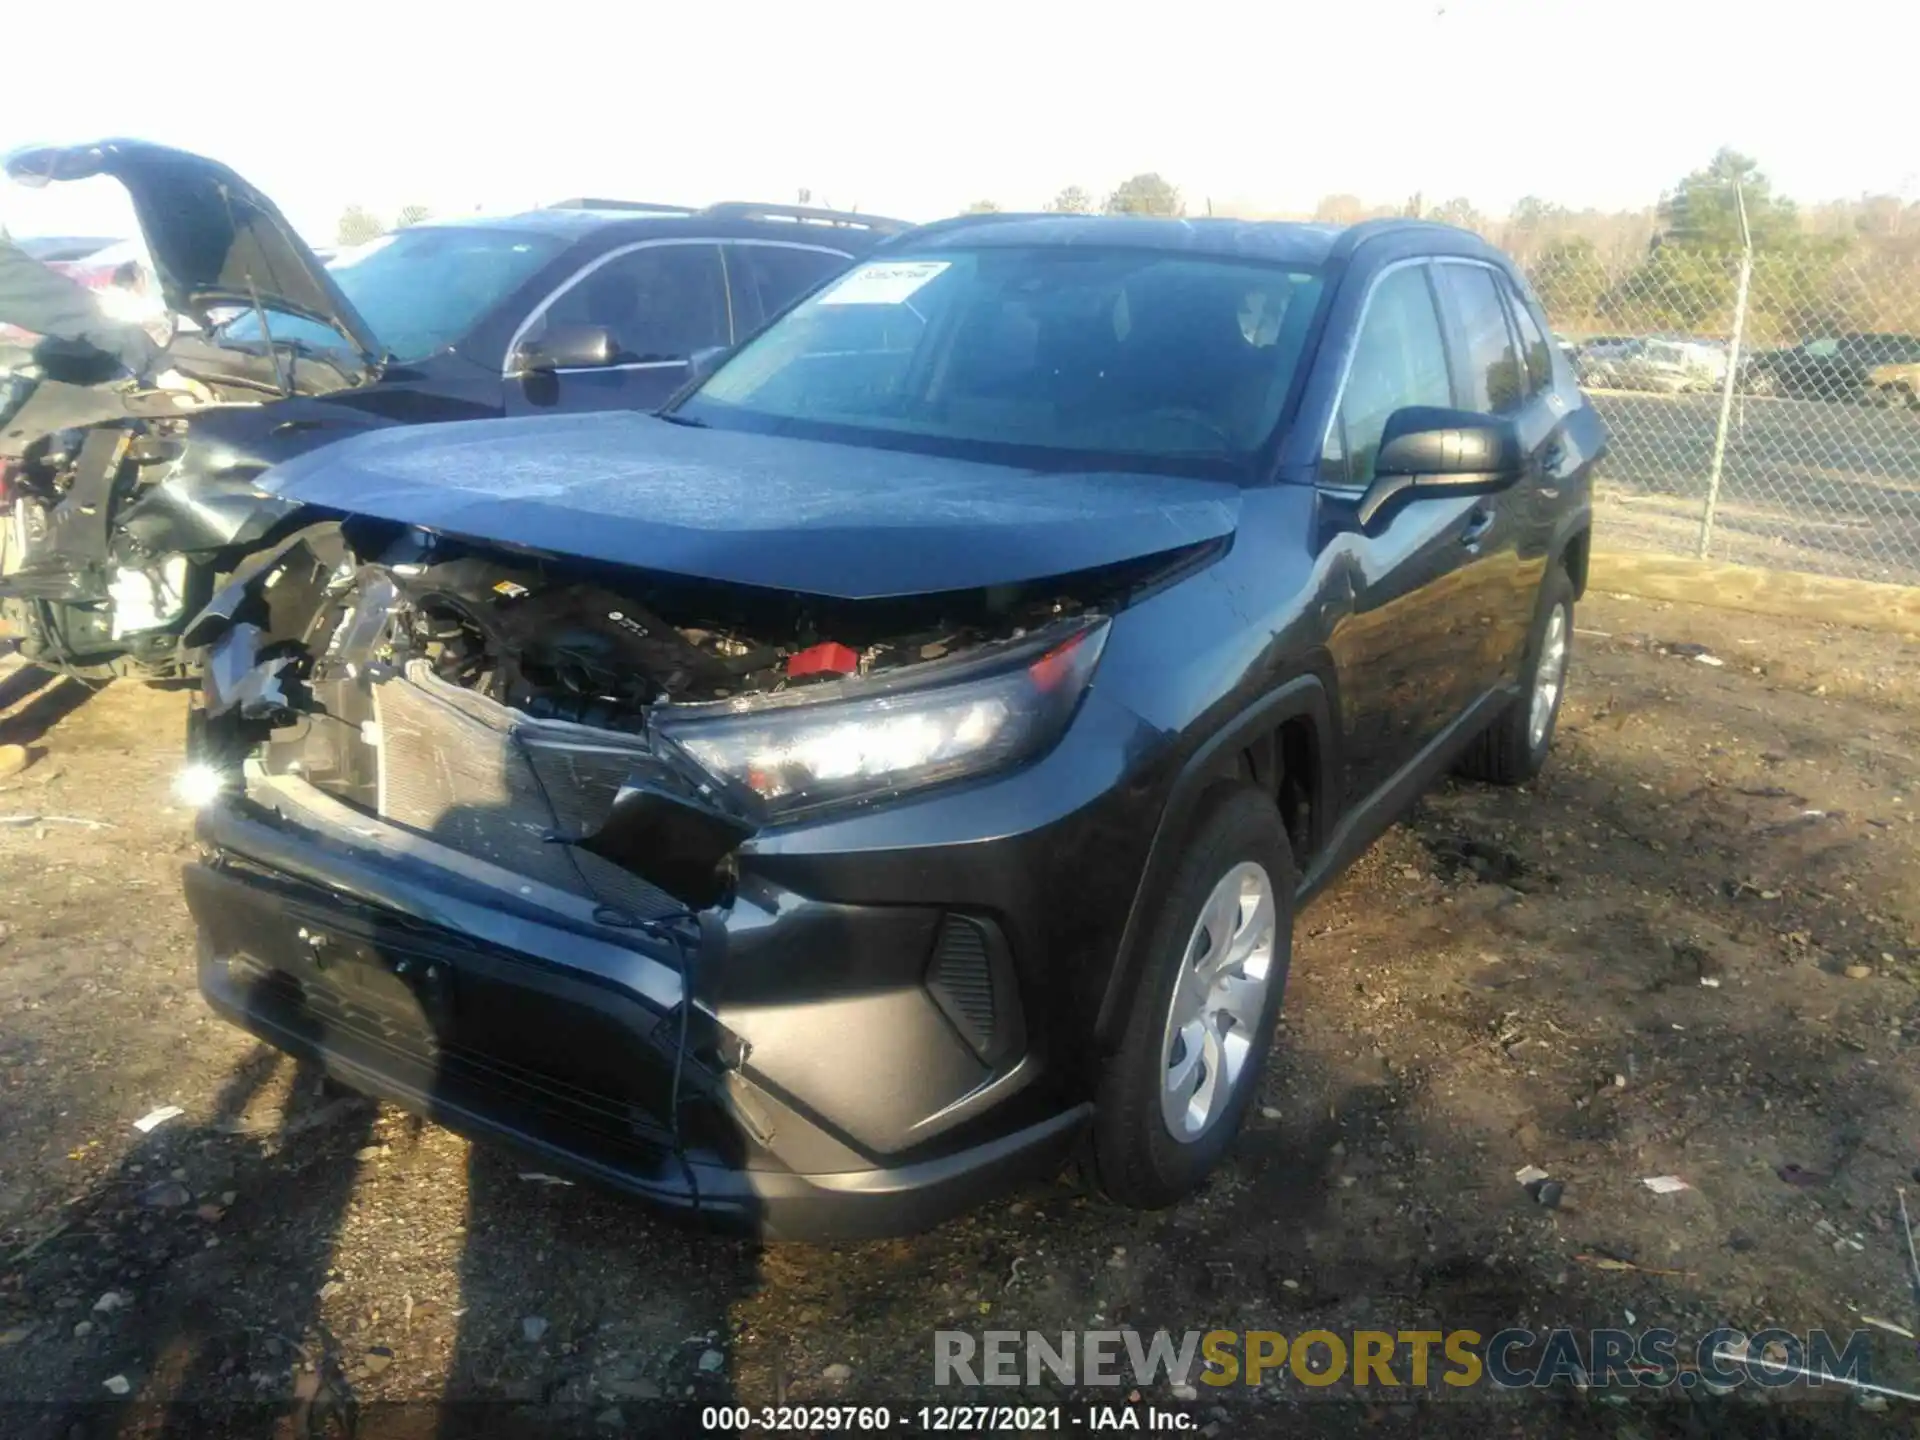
921,980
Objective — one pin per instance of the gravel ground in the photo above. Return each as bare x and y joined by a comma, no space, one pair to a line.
1691,949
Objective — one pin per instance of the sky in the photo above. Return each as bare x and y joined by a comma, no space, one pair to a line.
916,110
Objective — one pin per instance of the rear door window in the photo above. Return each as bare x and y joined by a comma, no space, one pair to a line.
1399,359
1491,362
768,278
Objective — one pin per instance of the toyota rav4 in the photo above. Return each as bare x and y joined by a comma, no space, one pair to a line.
899,760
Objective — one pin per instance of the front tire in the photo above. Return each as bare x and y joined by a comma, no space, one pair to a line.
1174,1094
1512,750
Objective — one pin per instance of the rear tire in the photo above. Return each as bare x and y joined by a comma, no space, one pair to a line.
1512,750
1173,1096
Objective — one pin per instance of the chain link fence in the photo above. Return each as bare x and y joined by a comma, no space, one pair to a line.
1764,409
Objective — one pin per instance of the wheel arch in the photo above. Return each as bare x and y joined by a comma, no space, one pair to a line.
1573,549
1269,742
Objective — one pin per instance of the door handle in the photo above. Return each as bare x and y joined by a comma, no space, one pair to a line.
1478,523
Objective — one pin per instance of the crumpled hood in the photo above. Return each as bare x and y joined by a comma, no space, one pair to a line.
821,519
214,239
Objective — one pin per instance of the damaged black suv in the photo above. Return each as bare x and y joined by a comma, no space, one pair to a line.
817,805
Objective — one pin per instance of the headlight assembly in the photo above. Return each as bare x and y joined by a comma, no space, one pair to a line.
802,749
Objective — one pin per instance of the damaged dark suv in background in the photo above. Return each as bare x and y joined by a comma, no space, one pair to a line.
125,503
827,801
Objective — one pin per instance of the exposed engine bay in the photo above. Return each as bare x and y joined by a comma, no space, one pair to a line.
99,521
529,711
576,649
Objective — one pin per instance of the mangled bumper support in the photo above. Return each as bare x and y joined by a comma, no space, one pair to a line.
762,1060
393,967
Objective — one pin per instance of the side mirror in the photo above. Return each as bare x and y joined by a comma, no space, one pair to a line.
1428,451
566,347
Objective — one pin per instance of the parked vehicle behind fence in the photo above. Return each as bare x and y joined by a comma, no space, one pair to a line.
1835,368
816,806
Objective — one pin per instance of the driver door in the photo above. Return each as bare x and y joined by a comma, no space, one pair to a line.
660,300
1399,652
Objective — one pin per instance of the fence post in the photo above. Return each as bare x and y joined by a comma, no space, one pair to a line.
1728,384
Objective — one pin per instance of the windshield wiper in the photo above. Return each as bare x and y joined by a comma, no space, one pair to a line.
674,417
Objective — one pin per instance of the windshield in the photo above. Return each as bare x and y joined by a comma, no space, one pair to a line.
418,289
1108,353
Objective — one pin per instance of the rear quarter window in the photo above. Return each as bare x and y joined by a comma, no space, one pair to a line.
1494,374
1535,351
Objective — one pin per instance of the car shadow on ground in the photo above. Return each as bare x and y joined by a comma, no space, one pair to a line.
33,701
202,1257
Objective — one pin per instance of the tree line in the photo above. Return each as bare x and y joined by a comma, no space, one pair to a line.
357,224
1669,267
1145,194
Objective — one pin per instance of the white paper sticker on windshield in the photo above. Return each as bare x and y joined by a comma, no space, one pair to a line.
883,284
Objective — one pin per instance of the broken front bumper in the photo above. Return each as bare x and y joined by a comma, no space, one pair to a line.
836,1064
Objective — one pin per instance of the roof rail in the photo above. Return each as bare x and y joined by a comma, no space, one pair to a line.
589,203
983,217
754,210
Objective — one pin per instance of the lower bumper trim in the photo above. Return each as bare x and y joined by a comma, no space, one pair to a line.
771,1204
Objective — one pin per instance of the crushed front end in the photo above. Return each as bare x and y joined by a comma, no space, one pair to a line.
659,880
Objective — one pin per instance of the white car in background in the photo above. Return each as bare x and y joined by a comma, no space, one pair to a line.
1661,364
1675,367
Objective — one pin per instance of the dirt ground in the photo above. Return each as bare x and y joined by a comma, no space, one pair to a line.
1691,949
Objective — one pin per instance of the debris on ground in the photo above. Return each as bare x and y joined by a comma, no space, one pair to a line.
165,1195
21,822
150,1121
1889,1326
1913,1260
1665,1184
1544,1190
1611,1262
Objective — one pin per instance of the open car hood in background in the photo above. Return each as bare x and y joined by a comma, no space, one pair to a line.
214,239
832,520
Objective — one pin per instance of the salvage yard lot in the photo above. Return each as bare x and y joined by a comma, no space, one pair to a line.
1689,949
